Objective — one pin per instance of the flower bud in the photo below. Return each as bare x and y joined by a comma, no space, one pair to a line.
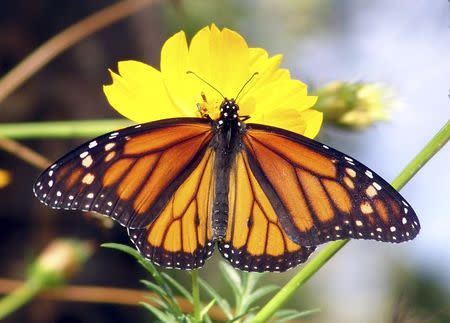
354,105
61,260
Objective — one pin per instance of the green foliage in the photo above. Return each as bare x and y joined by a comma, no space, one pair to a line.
243,285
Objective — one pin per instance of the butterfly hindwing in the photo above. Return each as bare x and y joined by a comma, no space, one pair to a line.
255,240
321,194
181,235
129,174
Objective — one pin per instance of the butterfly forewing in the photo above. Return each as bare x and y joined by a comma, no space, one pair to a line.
129,174
321,194
255,240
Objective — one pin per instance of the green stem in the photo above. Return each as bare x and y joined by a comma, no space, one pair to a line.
196,297
19,297
433,146
61,129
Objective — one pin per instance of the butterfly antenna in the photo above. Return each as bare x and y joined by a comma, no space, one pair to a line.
243,87
203,80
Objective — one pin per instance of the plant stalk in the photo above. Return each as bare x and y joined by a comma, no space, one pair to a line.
20,296
61,129
196,297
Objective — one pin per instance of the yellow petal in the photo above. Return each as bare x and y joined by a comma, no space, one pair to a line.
306,123
281,95
313,121
266,69
221,58
138,93
174,65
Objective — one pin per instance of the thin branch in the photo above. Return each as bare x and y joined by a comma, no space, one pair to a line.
65,39
23,152
61,129
94,294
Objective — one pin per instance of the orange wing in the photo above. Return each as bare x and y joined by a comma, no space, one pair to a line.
319,194
130,174
255,239
181,236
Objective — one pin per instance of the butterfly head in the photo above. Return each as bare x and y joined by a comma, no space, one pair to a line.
229,110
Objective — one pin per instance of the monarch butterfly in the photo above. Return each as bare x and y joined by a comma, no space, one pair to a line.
265,195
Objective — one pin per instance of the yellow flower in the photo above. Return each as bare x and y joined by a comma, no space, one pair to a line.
222,58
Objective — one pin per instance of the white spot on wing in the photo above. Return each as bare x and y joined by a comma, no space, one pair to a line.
92,144
109,146
87,161
377,186
113,135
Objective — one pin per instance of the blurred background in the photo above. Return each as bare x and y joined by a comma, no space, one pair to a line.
403,45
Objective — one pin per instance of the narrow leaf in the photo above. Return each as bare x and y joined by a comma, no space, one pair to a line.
252,279
289,315
183,291
233,279
221,302
158,313
168,299
238,317
155,288
206,309
256,295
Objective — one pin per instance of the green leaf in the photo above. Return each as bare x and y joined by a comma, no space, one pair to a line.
251,279
289,315
124,248
155,288
163,317
144,263
221,302
183,291
168,299
256,295
206,309
162,304
233,279
240,316
135,254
